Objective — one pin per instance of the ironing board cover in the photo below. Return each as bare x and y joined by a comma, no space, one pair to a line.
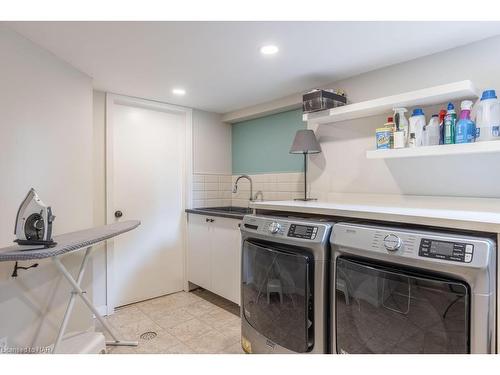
69,242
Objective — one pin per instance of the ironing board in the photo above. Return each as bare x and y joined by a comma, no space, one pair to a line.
71,242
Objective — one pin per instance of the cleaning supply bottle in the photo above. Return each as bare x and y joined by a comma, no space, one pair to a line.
431,132
390,125
403,122
450,121
398,134
417,123
465,129
442,114
488,117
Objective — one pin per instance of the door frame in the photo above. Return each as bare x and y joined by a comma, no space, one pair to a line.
187,166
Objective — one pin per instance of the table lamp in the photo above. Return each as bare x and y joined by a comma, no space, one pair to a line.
305,143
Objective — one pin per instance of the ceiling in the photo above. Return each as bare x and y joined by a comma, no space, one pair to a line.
219,63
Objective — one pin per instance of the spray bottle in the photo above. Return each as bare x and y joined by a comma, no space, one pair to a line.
442,114
402,121
450,121
465,130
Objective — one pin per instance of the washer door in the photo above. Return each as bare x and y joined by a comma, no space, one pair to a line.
380,309
277,299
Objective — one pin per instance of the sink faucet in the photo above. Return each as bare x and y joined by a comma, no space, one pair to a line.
235,188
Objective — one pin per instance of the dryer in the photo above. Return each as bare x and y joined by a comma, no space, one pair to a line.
411,291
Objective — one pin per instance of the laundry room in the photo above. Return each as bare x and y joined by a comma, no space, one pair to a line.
242,186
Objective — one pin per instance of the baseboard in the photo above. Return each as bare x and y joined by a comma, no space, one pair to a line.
103,310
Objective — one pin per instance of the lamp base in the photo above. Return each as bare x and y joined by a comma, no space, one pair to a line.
305,199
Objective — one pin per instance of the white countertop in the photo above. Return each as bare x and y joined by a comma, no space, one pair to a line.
481,214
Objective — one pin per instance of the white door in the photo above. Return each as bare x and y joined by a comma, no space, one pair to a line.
146,181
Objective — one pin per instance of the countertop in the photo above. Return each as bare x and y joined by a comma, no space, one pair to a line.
480,214
227,212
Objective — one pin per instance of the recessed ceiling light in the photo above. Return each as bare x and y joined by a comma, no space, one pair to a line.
179,91
269,49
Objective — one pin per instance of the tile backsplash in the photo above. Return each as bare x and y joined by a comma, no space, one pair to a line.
269,187
211,190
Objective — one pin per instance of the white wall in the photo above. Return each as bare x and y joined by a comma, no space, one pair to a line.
46,143
99,166
211,144
343,167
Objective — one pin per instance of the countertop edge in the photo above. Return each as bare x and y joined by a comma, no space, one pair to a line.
357,213
197,211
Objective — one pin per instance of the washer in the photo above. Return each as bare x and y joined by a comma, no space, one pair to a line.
284,285
411,291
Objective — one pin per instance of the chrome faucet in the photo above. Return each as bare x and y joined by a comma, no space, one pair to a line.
235,188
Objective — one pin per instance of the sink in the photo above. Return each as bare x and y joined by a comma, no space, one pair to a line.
229,210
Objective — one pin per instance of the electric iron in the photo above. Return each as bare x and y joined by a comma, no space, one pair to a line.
34,222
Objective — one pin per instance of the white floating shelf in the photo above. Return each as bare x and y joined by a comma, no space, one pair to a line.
424,97
441,150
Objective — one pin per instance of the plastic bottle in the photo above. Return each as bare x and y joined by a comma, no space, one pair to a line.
390,125
403,122
465,129
431,132
488,117
417,123
442,114
450,121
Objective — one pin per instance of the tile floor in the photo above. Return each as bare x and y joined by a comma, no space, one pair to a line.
185,323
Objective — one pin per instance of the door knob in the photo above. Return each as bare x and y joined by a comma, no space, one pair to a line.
118,214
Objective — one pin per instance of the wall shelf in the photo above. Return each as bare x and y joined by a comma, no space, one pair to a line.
424,97
441,150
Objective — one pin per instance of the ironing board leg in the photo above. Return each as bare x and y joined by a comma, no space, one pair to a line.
78,291
71,302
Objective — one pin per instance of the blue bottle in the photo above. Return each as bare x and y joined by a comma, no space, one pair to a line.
465,129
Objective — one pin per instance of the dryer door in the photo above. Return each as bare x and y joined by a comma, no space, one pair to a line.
277,298
380,309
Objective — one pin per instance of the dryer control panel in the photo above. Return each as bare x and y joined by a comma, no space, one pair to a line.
303,231
454,251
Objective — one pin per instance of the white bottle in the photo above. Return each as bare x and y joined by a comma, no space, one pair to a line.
416,128
403,122
432,132
488,117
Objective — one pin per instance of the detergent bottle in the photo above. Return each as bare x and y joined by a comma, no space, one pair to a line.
449,125
431,132
488,117
417,123
465,129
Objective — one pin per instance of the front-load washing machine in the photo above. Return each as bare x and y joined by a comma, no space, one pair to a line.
284,285
411,291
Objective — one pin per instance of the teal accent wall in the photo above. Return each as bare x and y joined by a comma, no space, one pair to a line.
262,145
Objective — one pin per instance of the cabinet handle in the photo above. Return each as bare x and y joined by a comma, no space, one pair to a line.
207,220
212,220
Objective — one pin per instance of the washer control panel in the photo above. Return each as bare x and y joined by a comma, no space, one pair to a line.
446,250
392,242
307,232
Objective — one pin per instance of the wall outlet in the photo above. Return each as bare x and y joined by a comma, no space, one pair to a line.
3,342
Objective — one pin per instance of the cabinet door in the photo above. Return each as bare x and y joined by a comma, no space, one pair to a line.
198,255
225,247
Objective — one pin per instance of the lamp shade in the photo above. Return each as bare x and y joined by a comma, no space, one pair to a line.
305,142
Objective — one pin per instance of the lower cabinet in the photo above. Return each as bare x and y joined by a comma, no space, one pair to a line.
214,255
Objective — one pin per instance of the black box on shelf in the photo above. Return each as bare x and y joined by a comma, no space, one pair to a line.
319,100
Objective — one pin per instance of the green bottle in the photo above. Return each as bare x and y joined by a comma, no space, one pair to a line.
450,121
